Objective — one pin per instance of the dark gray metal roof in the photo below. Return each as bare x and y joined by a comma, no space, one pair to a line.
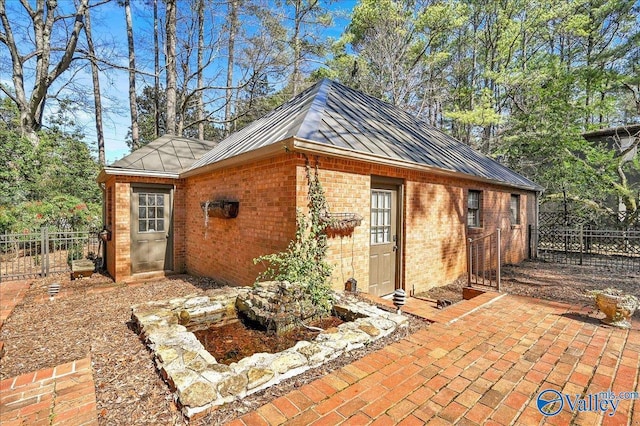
166,154
331,114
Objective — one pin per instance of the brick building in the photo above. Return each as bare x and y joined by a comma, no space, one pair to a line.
419,192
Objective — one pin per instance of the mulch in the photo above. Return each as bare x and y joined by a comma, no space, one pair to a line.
91,317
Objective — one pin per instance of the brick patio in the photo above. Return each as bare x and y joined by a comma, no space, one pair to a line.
482,361
64,395
483,365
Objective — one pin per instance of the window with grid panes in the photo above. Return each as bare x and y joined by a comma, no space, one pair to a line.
150,212
473,208
515,209
380,217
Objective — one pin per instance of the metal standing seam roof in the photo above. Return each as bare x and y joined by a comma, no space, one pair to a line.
168,154
329,113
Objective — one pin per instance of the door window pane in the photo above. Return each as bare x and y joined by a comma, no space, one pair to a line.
380,217
151,212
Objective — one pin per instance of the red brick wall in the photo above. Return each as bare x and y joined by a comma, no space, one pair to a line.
435,217
347,189
433,241
224,249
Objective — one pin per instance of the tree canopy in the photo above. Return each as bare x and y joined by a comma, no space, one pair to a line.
521,81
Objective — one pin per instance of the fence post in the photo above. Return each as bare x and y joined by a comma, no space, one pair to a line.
499,258
42,252
581,236
470,263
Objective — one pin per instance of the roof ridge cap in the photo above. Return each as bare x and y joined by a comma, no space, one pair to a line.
316,110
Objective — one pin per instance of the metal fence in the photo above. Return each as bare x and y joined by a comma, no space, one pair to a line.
575,218
30,254
484,261
608,248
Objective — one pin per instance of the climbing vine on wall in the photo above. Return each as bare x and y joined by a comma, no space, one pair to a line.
303,261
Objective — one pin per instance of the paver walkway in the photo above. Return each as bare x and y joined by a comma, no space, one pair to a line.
486,368
63,395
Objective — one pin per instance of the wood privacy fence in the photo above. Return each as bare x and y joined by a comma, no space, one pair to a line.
607,248
31,254
484,261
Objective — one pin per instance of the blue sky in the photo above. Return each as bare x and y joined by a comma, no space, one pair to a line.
109,22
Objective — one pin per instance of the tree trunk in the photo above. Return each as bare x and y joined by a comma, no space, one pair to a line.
45,75
156,80
133,100
295,77
170,60
97,100
233,28
200,106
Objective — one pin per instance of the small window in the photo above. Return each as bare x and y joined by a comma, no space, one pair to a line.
515,209
474,205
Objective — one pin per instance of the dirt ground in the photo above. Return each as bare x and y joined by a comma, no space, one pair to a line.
552,281
82,321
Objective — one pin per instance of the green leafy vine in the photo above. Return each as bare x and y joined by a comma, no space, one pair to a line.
303,262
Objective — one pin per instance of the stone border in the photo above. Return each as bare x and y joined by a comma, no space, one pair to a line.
201,383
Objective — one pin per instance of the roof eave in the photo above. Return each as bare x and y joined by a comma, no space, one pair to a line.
253,155
308,146
625,131
112,171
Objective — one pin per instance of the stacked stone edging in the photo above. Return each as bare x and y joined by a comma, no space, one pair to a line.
200,382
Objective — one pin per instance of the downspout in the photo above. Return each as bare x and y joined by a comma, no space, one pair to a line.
103,187
534,252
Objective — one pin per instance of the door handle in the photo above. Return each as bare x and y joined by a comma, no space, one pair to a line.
395,248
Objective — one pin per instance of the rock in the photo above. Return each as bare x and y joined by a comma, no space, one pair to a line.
317,353
212,376
220,368
207,356
196,301
182,379
369,329
198,394
198,364
258,376
166,354
286,361
233,385
188,356
382,324
261,359
185,340
184,317
355,337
